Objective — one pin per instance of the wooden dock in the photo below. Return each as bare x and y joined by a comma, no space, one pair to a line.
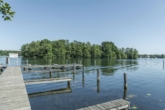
118,104
13,94
46,80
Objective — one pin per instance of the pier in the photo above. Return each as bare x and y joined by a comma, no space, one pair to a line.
118,104
13,94
47,80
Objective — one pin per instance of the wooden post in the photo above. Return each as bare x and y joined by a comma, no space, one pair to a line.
124,94
50,73
83,75
98,80
125,81
83,81
1,69
98,74
83,70
68,84
7,60
98,86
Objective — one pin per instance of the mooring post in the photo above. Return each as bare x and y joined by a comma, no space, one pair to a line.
83,70
125,81
7,60
98,80
98,74
124,94
68,84
82,81
1,69
98,86
50,73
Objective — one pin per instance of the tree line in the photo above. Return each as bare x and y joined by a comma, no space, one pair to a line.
76,49
151,56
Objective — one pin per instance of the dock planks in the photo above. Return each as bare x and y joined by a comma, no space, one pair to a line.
13,94
118,104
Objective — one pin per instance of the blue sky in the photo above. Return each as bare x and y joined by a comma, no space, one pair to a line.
136,24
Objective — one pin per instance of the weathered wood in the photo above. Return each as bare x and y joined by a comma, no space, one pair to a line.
68,82
124,94
46,80
13,94
125,81
50,73
118,104
1,69
7,60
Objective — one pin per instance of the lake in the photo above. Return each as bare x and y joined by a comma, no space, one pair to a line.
146,84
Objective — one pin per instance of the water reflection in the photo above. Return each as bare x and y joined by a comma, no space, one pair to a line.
108,71
51,92
98,86
124,94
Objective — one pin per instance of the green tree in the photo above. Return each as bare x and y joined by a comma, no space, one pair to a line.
5,10
86,50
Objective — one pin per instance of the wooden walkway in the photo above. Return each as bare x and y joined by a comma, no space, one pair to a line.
118,104
13,94
46,80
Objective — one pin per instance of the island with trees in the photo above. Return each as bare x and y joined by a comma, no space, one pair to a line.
76,49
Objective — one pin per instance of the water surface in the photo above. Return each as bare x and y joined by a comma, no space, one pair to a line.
146,84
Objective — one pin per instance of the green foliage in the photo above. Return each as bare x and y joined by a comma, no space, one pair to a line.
5,10
6,52
151,56
76,49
